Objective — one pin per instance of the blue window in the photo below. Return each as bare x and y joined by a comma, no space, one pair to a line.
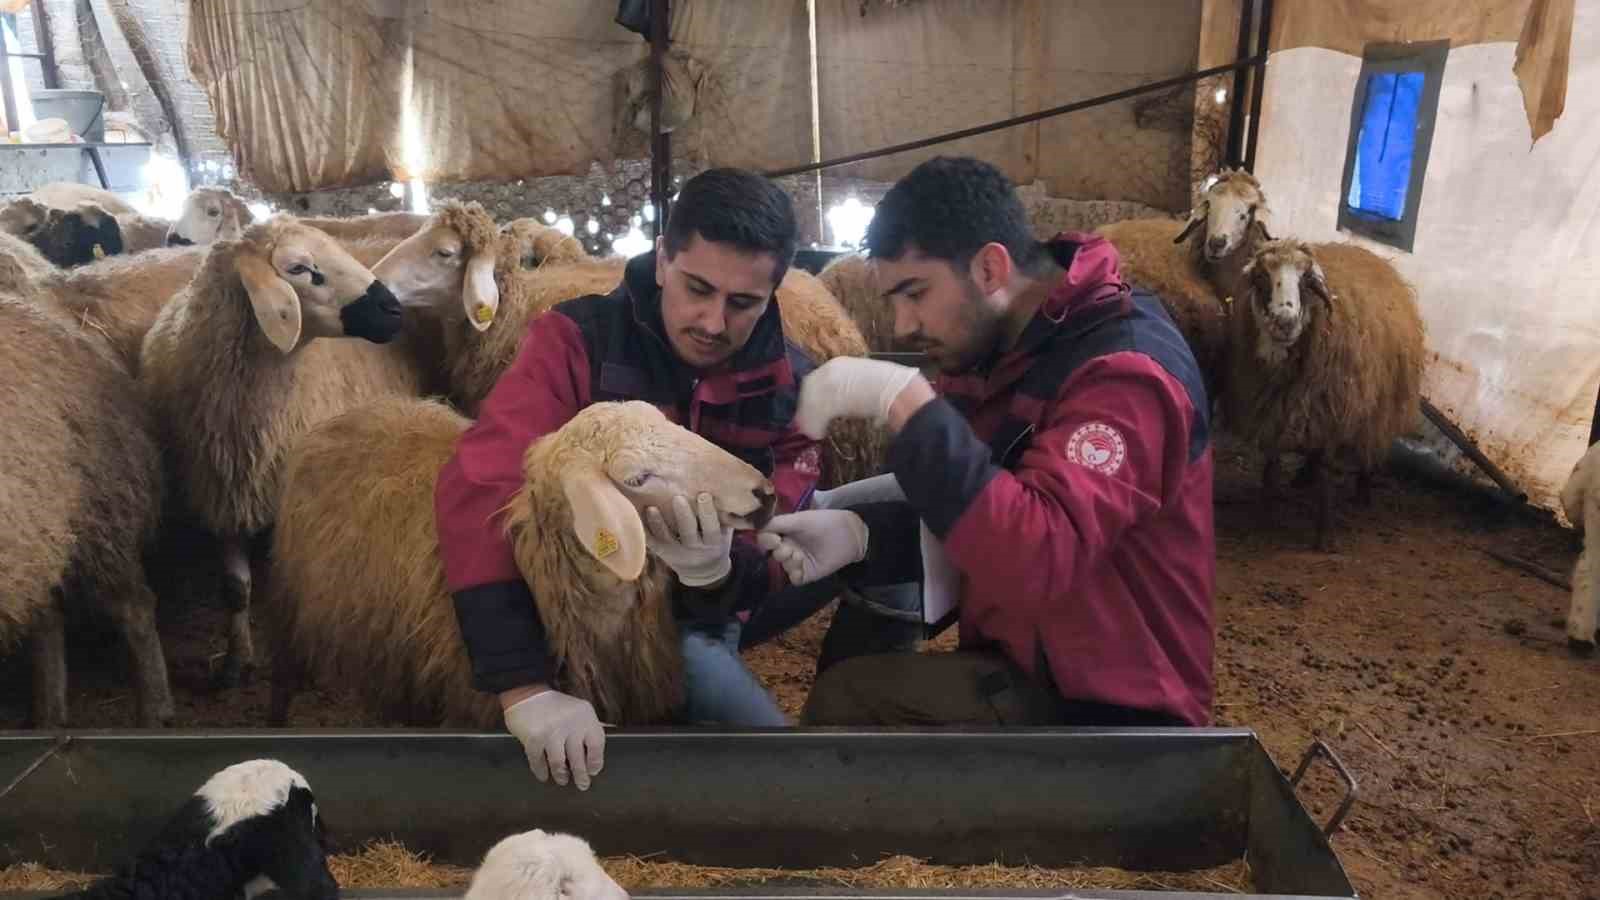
1391,127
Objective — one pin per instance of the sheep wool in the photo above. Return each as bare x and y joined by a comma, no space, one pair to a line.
21,263
542,865
849,278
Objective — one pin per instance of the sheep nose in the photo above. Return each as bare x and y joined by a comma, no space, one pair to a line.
1217,243
768,498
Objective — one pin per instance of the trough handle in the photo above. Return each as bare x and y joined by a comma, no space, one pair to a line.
1320,747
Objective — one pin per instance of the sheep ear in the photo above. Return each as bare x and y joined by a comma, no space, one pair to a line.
1319,283
479,294
605,523
273,300
1196,217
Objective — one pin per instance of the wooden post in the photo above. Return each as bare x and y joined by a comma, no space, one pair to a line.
47,46
660,144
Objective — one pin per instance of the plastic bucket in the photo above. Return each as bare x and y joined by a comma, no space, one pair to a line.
81,109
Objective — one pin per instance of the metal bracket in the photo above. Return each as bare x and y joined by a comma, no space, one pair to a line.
1319,747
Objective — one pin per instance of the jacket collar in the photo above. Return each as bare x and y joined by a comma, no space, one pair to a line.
766,344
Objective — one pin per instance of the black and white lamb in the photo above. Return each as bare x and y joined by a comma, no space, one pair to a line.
251,828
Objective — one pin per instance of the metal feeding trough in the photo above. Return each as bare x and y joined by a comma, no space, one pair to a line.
1138,799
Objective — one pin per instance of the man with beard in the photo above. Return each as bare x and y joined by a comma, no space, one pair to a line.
1064,467
694,329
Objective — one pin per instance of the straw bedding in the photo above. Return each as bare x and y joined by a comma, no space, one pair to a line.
390,865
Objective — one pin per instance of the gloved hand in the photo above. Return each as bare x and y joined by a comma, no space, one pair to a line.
814,543
557,729
849,386
700,554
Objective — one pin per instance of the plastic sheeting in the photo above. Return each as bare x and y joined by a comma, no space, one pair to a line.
343,92
1507,254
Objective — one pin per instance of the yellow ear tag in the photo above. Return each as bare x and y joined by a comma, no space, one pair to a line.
99,252
605,543
484,314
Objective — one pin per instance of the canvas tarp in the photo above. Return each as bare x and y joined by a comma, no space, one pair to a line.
343,92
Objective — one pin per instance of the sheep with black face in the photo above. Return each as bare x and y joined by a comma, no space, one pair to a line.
251,828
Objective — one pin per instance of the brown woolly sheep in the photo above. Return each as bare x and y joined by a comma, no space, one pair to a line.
537,243
446,267
399,225
210,214
849,278
1325,358
246,360
120,296
80,494
21,264
358,501
1580,500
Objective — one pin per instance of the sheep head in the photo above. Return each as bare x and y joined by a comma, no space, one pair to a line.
533,243
542,865
1279,277
83,234
1229,207
262,813
613,460
450,260
209,214
302,284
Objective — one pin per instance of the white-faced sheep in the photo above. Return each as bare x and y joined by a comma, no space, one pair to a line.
542,865
246,360
1325,358
251,828
1580,500
210,214
358,500
80,495
458,263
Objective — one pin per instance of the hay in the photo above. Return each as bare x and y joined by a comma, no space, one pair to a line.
386,864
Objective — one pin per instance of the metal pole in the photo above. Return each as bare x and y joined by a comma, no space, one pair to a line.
1075,106
1236,110
660,144
47,45
12,123
1263,44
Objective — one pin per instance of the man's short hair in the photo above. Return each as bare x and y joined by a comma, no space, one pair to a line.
734,206
949,207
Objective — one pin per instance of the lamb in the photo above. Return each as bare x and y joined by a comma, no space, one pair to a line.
209,214
358,500
80,495
427,271
541,865
246,360
251,828
1581,503
1325,357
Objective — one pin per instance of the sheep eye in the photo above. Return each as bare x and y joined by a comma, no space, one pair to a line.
213,213
445,254
299,269
638,480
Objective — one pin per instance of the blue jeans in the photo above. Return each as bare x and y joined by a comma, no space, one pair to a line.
721,690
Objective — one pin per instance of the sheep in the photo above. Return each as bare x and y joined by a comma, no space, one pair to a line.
77,236
358,500
209,214
427,270
537,243
1325,357
849,277
21,263
236,373
251,828
80,494
542,865
1581,503
397,225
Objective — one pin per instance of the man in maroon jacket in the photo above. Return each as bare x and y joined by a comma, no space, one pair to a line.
1064,467
693,328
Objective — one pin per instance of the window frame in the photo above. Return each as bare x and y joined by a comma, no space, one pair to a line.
1429,57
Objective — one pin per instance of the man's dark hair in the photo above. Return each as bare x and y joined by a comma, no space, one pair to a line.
734,206
949,207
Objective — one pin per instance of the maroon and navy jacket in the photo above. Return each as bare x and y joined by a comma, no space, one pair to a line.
587,350
1070,484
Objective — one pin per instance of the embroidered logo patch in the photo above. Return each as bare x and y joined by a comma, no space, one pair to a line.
1097,446
809,462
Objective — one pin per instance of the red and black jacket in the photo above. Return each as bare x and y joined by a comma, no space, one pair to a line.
593,349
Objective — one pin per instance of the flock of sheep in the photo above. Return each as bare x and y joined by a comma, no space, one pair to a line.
254,828
261,409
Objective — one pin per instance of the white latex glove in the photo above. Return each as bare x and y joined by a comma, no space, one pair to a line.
850,386
556,729
878,488
700,552
814,543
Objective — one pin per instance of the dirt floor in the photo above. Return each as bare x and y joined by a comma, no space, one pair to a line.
1440,676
